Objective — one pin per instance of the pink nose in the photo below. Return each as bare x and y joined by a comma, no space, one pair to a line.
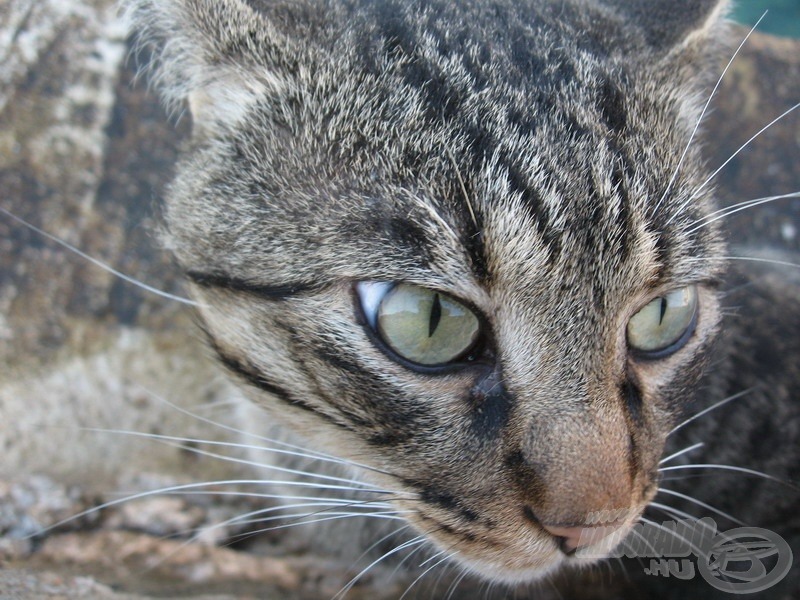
581,535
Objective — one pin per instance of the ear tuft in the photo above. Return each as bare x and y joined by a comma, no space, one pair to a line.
217,56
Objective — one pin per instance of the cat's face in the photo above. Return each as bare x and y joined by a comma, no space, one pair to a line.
452,243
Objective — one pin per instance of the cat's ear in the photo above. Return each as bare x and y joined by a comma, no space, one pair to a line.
217,56
671,25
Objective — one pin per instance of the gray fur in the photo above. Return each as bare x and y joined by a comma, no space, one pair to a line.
516,155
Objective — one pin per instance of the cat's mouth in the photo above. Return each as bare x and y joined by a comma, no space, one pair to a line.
574,538
526,553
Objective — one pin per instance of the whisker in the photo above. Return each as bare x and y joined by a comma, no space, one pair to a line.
454,586
349,585
316,500
97,263
641,536
704,412
181,443
681,452
702,505
428,570
326,507
442,574
769,261
301,520
679,514
304,519
733,468
406,559
304,452
186,487
702,186
702,115
377,543
731,210
463,189
748,203
673,533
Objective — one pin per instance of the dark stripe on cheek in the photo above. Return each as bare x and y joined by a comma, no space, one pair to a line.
431,495
234,284
385,415
250,374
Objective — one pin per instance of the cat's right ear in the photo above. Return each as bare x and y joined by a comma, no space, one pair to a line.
672,25
218,56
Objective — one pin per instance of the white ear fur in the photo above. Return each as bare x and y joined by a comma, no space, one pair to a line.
211,54
225,101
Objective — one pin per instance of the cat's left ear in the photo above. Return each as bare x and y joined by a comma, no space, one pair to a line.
671,25
219,57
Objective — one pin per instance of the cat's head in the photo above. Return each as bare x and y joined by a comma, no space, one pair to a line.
454,241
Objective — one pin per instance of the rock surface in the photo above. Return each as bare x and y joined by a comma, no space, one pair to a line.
85,151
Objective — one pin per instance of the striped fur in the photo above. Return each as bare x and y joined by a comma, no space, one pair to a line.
522,156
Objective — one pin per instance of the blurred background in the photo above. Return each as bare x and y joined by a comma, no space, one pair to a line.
783,17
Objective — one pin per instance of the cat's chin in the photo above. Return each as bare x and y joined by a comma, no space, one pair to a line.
539,566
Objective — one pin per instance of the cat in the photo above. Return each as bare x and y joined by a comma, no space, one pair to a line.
470,249
471,246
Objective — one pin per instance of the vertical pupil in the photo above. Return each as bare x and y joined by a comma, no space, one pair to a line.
663,310
436,315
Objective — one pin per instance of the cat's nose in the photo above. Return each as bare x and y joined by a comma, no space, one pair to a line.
578,536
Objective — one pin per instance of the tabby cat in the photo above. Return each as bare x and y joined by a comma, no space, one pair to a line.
471,249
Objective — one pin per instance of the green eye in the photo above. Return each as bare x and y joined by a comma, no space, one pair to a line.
423,326
665,324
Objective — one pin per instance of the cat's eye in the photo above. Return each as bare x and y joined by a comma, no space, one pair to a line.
665,324
422,326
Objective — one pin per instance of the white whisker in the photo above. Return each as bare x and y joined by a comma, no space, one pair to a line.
306,519
703,412
454,586
428,570
463,188
768,261
304,452
177,489
673,533
97,263
710,178
731,210
639,535
681,453
378,542
310,500
349,585
406,559
702,505
700,119
181,441
733,468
